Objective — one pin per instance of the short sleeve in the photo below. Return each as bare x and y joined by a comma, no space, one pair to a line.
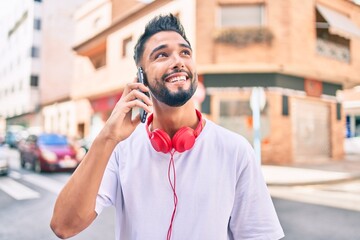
253,215
107,192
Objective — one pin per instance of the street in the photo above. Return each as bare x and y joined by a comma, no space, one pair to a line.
309,212
26,204
316,222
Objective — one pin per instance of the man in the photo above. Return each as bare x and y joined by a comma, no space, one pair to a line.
176,177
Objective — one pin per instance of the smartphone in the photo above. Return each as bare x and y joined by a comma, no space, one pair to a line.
140,75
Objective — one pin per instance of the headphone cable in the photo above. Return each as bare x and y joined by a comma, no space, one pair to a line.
172,182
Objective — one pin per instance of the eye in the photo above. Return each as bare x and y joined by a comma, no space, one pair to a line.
186,52
160,55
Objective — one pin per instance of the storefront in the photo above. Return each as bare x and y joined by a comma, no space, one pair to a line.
300,121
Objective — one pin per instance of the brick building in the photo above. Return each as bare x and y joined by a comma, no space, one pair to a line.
300,53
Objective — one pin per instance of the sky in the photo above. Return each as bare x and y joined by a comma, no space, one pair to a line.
5,6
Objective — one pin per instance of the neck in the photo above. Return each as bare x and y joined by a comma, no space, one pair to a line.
171,119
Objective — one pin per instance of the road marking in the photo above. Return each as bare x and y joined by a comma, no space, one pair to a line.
44,182
15,175
17,190
316,195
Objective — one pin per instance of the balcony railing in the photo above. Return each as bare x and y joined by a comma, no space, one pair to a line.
241,37
333,50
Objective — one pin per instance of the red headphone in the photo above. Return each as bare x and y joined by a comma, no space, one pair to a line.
183,139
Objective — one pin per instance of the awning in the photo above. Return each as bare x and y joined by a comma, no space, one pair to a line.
338,23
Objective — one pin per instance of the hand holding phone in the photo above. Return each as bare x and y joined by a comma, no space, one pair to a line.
140,75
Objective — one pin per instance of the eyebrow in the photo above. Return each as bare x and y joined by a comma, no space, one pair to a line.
165,46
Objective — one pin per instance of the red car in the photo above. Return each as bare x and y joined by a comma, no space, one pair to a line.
49,152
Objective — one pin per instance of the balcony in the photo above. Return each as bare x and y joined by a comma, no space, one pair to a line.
242,37
333,50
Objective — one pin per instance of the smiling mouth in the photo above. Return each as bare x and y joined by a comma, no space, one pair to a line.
176,79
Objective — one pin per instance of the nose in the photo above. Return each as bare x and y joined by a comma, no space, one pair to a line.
177,62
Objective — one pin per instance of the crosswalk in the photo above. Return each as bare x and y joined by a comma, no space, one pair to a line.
17,190
16,185
344,195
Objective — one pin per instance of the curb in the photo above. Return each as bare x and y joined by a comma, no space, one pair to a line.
351,177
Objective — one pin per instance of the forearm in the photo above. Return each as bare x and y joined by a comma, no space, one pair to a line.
75,207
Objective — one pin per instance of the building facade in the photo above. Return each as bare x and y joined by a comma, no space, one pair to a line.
20,64
59,113
350,99
37,67
301,53
297,53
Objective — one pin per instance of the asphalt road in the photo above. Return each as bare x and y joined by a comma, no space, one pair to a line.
26,204
302,221
27,200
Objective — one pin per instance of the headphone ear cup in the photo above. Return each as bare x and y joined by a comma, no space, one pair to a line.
183,139
160,141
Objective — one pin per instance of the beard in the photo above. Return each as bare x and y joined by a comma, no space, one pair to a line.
173,99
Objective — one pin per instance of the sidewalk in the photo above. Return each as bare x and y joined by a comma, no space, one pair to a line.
311,174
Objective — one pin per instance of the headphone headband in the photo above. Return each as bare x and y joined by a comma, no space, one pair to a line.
182,140
197,130
199,127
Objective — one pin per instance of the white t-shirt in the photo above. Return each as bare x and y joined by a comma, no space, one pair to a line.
221,192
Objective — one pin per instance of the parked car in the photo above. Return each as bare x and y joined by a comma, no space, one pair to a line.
2,139
14,134
49,152
4,161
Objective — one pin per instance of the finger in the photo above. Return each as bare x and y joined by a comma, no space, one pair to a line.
144,88
135,85
142,105
140,86
135,94
143,97
130,86
137,103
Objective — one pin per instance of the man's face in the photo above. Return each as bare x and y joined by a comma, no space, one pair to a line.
170,69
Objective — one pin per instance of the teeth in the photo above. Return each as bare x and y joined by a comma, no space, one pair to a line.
176,79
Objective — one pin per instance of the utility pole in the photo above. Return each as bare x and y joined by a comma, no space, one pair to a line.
257,104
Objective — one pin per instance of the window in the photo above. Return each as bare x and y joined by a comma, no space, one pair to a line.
127,47
329,44
236,115
34,80
97,22
242,16
35,52
37,24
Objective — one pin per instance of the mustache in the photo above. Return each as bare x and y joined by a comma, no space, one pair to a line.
190,75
